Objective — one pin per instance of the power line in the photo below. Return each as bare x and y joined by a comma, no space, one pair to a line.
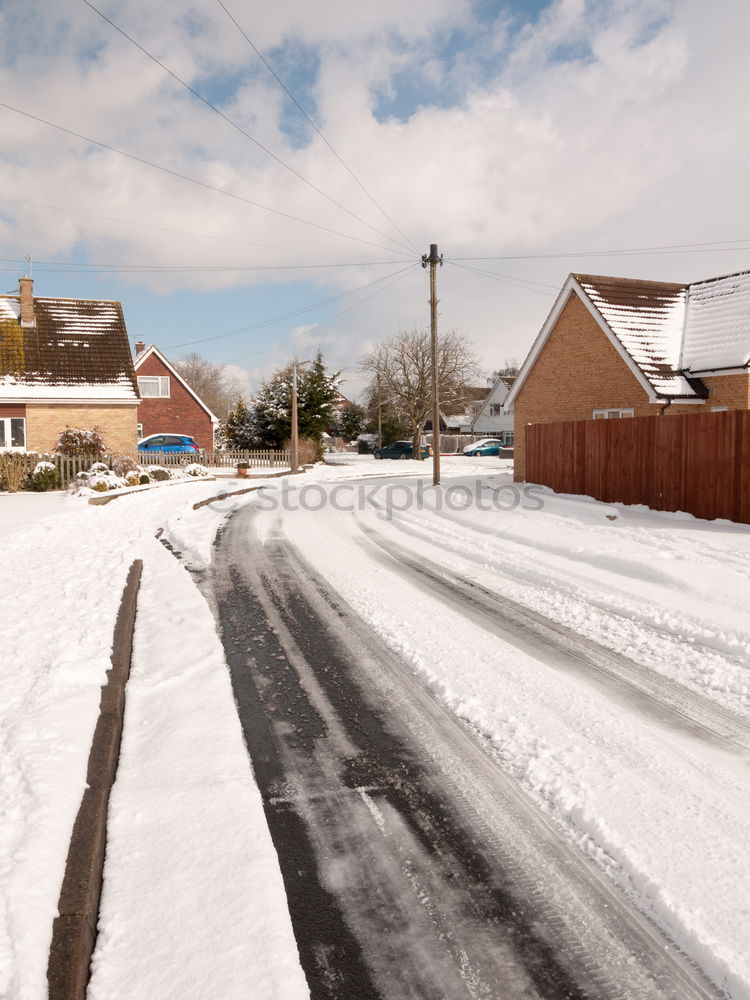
294,100
714,246
191,180
515,282
294,312
167,229
75,267
398,277
242,131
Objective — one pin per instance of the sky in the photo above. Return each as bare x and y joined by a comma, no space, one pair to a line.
526,139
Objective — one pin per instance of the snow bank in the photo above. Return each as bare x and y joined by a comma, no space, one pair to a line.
192,865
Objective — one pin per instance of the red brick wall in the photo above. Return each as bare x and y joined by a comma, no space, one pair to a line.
732,391
178,414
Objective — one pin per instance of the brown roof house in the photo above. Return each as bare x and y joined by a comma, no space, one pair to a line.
623,347
168,404
64,363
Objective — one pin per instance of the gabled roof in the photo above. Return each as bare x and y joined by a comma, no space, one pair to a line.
644,322
77,349
153,351
647,317
498,393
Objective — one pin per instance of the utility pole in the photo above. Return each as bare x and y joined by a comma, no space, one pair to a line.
433,260
380,412
295,427
295,419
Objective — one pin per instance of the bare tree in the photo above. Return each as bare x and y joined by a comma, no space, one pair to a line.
400,372
210,382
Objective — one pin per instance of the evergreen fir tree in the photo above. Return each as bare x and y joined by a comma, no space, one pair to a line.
239,431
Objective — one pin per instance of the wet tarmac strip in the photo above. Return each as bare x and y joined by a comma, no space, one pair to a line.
413,867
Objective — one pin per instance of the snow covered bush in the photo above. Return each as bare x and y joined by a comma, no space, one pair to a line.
195,469
104,481
75,441
133,478
158,473
44,477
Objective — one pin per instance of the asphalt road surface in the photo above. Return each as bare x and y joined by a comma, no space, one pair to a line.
414,867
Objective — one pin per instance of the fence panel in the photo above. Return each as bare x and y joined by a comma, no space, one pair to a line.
699,463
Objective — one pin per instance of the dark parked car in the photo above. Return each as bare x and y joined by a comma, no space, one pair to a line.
400,449
182,443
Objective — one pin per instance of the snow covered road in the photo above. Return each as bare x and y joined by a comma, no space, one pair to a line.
413,865
581,668
646,773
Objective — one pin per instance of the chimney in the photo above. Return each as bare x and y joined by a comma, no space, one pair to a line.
140,347
25,288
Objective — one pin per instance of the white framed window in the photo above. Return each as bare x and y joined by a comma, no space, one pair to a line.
718,409
613,414
153,386
12,434
139,431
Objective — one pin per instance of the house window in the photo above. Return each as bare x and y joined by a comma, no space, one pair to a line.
139,431
718,409
153,386
610,414
12,434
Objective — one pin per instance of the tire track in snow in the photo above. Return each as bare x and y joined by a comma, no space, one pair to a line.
663,699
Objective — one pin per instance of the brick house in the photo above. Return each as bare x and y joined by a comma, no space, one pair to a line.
64,363
623,347
168,404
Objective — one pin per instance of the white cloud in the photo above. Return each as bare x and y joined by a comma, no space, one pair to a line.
604,124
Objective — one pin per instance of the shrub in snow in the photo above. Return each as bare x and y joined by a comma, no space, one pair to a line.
44,477
123,464
75,441
158,473
12,471
98,467
104,481
195,469
143,478
133,477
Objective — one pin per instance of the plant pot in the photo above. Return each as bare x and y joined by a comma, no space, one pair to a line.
242,471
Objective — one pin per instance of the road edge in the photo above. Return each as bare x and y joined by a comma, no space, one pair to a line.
74,929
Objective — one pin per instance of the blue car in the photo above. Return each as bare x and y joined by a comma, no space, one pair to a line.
170,443
487,446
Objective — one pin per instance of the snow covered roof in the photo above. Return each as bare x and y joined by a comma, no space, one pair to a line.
648,318
717,328
76,349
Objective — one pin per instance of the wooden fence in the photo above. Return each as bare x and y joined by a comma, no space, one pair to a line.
698,463
69,467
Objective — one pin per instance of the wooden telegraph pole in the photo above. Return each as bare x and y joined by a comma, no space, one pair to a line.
432,259
295,428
